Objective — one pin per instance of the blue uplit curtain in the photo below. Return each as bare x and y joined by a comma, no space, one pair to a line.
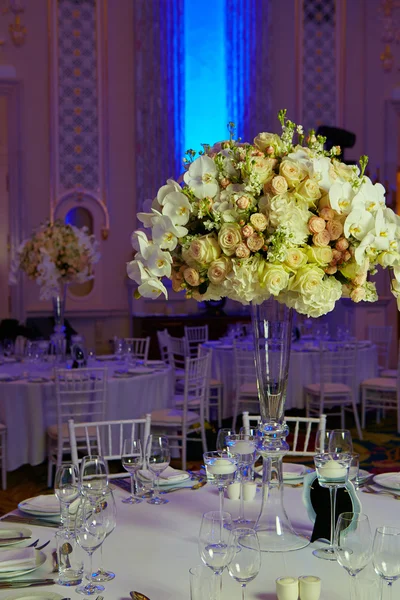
159,93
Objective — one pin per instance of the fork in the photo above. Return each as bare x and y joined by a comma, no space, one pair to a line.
370,490
35,545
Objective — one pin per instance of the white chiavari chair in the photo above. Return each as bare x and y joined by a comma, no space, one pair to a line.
194,336
138,347
246,392
381,337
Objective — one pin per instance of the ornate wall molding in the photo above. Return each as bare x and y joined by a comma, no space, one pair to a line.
78,105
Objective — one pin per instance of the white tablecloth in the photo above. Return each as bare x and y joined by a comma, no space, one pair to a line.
303,369
153,547
27,408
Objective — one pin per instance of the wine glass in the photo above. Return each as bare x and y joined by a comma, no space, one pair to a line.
353,545
158,457
245,561
221,438
94,476
386,555
132,461
340,441
90,532
220,469
244,446
8,347
332,472
108,508
214,542
322,441
66,489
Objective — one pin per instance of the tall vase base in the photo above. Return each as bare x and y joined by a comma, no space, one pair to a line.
325,553
286,541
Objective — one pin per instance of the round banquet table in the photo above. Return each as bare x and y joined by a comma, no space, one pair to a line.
27,408
153,547
303,369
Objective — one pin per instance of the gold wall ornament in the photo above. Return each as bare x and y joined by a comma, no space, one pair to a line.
17,31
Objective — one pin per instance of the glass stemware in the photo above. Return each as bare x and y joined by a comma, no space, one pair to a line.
220,469
244,446
340,441
332,472
108,509
221,438
214,543
245,561
90,532
322,441
94,476
132,461
158,457
66,489
353,545
386,555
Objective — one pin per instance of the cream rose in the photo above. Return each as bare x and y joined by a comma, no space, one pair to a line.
264,140
219,269
309,190
259,221
229,237
204,249
307,280
273,277
319,255
321,239
295,258
335,229
316,224
263,168
291,171
247,231
357,294
242,251
255,242
279,185
191,276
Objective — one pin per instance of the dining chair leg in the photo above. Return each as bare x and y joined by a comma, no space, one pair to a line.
4,460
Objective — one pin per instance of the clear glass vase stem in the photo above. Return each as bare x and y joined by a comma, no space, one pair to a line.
241,509
332,493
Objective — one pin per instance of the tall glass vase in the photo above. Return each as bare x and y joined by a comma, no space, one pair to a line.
272,326
58,337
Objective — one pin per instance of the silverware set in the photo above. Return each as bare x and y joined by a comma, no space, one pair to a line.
28,521
367,489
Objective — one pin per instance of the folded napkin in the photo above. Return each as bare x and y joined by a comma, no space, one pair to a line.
17,560
169,474
46,504
320,501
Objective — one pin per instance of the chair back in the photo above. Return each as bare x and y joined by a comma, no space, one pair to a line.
381,337
193,337
244,362
138,347
162,337
106,438
80,394
177,353
196,385
303,429
337,364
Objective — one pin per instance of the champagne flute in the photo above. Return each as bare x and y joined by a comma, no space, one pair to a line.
340,441
221,438
66,489
132,461
245,561
214,542
353,545
220,469
90,532
108,509
94,476
158,457
386,555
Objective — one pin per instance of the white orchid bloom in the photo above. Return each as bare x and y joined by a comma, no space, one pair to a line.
358,223
366,247
323,172
341,196
165,234
396,271
201,177
152,288
384,231
157,262
146,219
370,196
136,271
177,207
303,156
139,241
172,186
228,168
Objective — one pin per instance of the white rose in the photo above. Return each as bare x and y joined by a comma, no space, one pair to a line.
273,277
229,237
219,269
295,258
292,171
204,249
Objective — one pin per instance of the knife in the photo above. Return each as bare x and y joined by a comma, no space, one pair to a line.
15,539
28,521
4,585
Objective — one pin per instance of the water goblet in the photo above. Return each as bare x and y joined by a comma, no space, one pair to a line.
244,446
353,545
132,461
90,532
158,457
322,441
8,347
93,475
221,438
245,560
108,508
332,472
386,555
66,489
340,441
214,543
220,469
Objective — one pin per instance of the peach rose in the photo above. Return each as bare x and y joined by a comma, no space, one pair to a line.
219,269
335,229
204,249
346,256
342,244
279,185
247,231
243,202
327,213
191,276
229,236
357,294
330,270
259,221
255,242
321,239
242,251
316,224
177,279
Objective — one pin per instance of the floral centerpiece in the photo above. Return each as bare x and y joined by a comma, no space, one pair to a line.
280,217
55,255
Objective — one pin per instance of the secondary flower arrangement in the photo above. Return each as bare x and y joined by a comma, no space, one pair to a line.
272,218
57,254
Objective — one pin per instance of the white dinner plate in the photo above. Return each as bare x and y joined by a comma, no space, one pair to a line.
122,374
34,596
13,532
155,363
38,379
40,508
184,476
104,357
363,474
290,471
40,560
388,480
140,371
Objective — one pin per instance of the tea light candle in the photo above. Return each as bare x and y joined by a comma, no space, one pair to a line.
287,588
332,469
221,466
243,447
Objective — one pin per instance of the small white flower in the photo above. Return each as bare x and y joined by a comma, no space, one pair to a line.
152,288
201,177
177,207
341,195
358,223
165,234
